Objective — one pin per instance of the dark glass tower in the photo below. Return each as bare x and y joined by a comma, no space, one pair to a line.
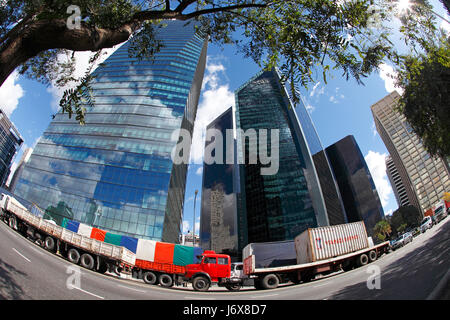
219,219
282,205
356,186
116,172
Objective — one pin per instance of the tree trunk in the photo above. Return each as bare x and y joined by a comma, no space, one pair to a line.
43,35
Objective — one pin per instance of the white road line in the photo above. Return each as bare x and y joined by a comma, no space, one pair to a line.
92,294
21,255
142,291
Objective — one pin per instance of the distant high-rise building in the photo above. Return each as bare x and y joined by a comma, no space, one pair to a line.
424,178
219,211
10,143
396,182
282,205
116,172
358,191
16,175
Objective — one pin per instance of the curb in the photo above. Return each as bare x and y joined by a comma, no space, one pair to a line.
440,290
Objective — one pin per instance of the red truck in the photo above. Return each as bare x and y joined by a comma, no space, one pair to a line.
213,268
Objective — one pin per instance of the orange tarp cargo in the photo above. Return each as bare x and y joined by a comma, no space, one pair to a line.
98,234
164,252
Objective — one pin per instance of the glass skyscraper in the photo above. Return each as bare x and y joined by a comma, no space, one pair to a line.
10,143
116,172
220,191
358,191
279,206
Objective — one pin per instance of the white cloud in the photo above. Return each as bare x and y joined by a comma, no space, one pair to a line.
186,226
377,167
199,171
216,98
317,90
445,26
81,67
386,74
10,93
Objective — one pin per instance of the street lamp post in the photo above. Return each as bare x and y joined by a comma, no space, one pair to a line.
193,235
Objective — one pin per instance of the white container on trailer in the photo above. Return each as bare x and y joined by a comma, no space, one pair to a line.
322,243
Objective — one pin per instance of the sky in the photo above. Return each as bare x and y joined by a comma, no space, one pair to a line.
338,108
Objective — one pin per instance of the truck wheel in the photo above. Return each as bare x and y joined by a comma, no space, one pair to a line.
13,222
270,281
233,287
73,256
201,283
165,280
50,244
87,261
363,260
373,255
150,277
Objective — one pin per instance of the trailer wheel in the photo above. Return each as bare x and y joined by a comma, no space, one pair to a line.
102,267
201,283
363,260
150,277
373,255
13,222
165,280
49,244
233,287
270,281
87,261
73,256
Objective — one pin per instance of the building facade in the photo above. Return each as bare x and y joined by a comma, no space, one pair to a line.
16,175
424,178
396,182
10,143
282,205
116,172
220,220
358,191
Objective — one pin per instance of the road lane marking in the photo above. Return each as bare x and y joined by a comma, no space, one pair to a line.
92,294
21,255
142,291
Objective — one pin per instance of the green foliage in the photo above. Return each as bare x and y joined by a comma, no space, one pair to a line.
405,217
425,80
382,230
305,39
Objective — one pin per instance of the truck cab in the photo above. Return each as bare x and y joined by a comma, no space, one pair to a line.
213,268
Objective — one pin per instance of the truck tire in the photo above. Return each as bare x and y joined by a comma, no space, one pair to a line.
270,281
165,280
102,267
363,260
87,261
73,256
150,277
49,244
373,256
201,283
233,287
13,222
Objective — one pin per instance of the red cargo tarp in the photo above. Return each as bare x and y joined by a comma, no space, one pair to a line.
98,234
164,252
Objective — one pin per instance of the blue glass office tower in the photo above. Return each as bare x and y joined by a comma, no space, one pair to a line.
279,206
116,171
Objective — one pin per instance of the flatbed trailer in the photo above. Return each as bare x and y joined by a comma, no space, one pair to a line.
271,277
89,253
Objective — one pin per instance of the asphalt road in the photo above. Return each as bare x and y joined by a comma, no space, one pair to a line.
416,271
